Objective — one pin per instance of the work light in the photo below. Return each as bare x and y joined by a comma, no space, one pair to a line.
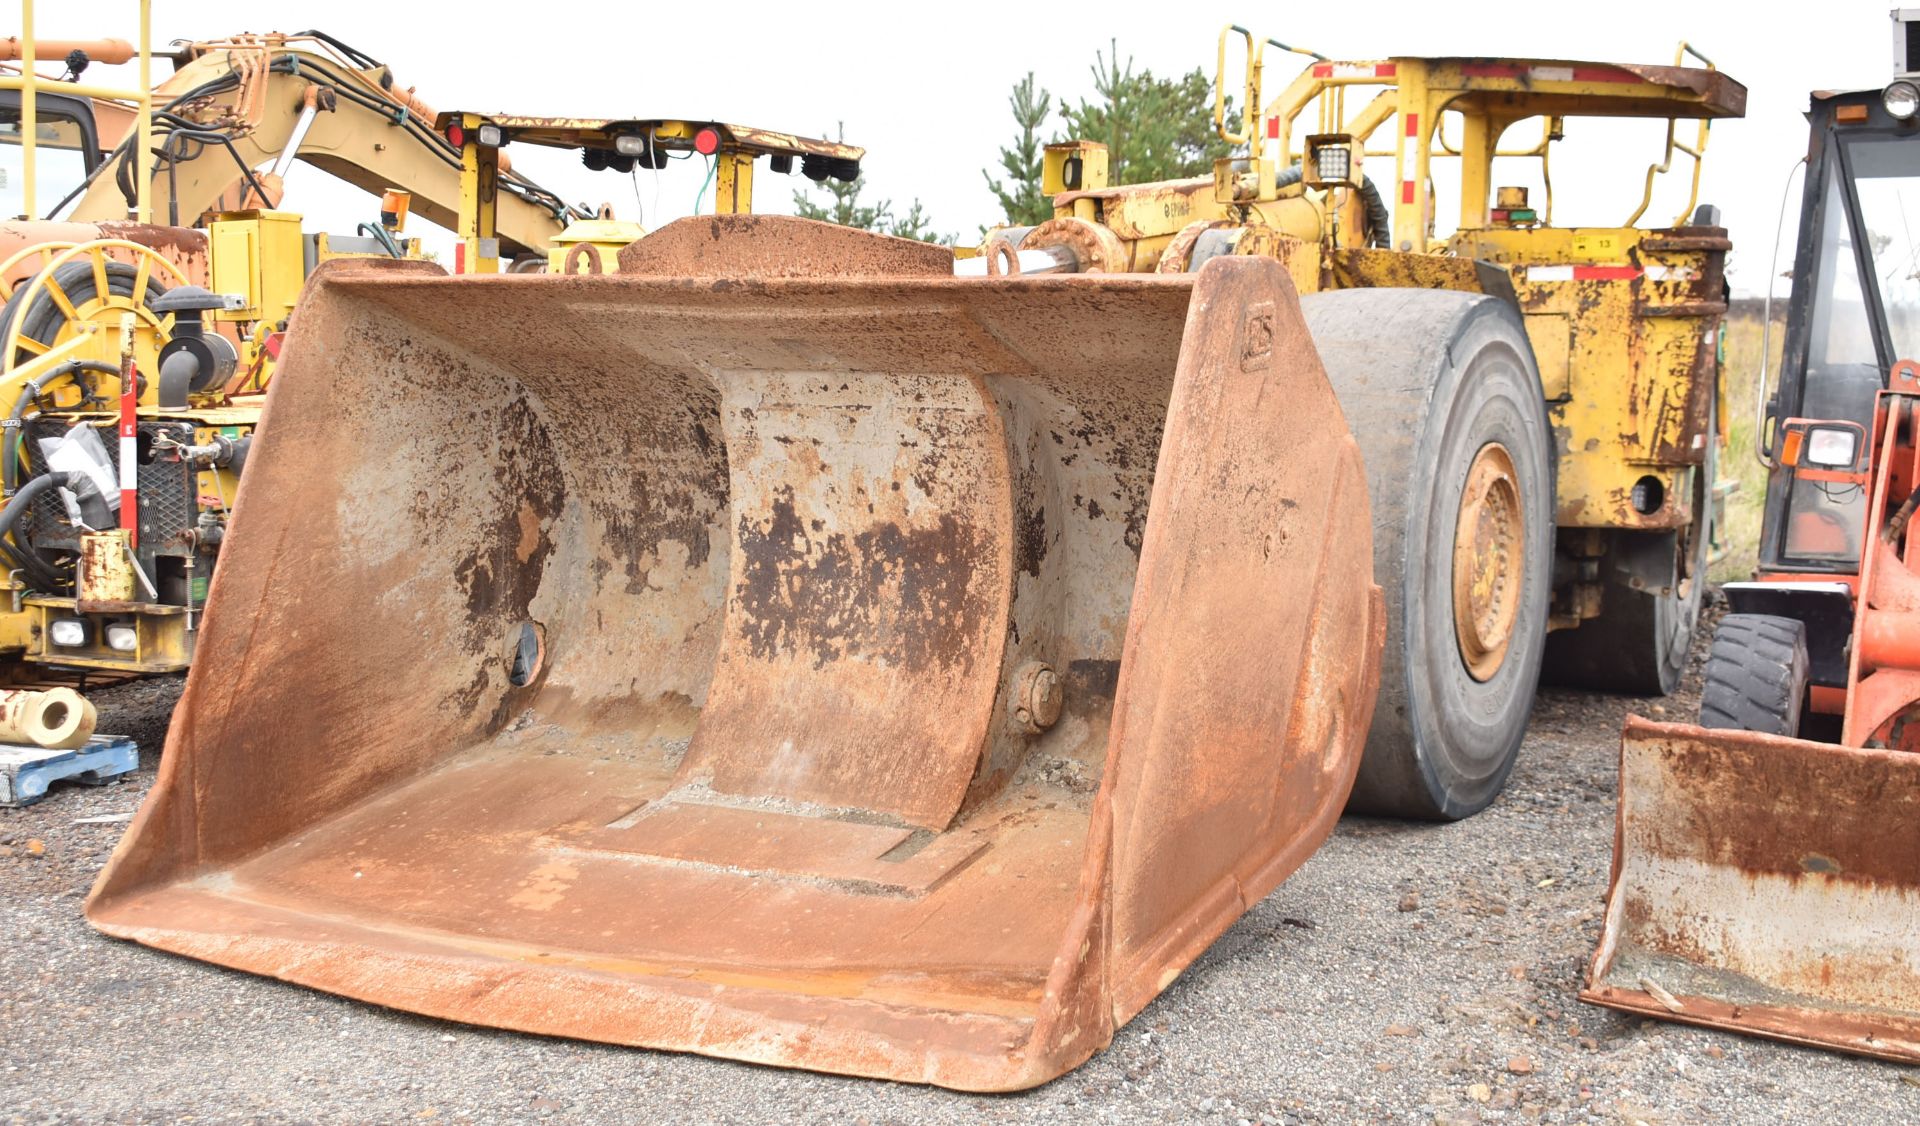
1901,99
70,633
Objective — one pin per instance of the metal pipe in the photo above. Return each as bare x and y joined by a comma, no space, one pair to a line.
29,119
95,90
111,52
143,156
58,718
1043,260
153,592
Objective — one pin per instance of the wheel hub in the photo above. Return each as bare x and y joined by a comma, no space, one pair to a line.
1489,561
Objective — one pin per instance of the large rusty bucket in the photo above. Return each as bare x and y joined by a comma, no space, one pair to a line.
1766,885
884,673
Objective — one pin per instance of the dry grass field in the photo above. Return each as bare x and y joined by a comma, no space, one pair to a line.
1741,531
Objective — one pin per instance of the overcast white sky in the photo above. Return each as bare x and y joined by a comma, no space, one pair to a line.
924,87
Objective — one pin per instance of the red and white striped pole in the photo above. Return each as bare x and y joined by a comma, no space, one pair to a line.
129,443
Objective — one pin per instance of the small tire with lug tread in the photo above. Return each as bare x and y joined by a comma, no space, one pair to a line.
1756,675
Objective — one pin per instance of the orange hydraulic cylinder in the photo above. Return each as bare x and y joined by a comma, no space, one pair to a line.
1890,639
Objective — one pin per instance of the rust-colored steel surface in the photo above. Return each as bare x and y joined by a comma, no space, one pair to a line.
1766,885
898,675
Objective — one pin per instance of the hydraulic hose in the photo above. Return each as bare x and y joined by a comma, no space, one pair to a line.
10,444
14,543
379,234
1379,221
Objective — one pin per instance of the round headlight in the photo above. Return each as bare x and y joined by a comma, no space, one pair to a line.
1901,99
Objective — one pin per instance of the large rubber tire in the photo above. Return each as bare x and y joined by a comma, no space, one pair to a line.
1640,642
1756,675
1427,379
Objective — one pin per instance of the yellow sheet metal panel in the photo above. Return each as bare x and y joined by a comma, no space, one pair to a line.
234,247
16,620
1158,209
591,246
1059,174
733,184
1551,335
1525,245
218,487
1641,367
258,254
1359,268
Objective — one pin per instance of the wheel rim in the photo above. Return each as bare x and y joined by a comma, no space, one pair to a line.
1489,561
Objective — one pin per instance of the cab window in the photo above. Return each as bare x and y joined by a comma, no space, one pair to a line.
62,157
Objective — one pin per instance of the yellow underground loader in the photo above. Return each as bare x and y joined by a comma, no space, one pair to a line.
1537,404
781,648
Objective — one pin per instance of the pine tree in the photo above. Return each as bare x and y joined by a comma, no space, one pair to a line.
1024,204
844,207
1154,128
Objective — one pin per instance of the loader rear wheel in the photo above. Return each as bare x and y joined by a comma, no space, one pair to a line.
1441,391
1756,675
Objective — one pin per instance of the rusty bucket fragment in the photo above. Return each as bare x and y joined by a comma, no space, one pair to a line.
882,673
1766,885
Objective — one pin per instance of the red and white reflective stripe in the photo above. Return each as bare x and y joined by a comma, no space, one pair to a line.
130,459
1273,128
1413,125
1567,73
1354,70
1581,273
1609,273
1606,74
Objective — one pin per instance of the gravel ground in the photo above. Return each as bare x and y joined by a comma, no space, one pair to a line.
1408,973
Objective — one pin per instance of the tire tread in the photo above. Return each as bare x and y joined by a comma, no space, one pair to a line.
1756,675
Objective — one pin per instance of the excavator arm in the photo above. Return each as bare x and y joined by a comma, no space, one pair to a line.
237,112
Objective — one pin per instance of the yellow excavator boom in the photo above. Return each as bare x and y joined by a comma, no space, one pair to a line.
271,99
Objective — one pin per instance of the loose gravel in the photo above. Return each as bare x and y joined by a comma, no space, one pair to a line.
1408,973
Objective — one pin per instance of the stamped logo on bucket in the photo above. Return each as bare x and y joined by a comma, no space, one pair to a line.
1256,337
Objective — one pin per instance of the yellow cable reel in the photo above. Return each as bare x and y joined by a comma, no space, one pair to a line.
89,322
